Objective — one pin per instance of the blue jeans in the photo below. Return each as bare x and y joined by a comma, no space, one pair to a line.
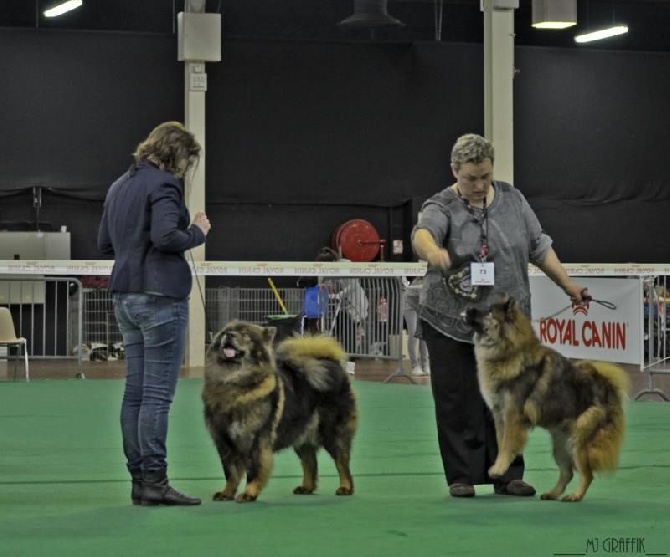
154,333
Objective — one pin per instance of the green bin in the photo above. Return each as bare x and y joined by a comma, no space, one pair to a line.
287,325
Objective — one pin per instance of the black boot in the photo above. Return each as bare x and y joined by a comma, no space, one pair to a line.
136,491
157,491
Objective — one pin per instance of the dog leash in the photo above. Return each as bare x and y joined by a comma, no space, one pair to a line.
605,303
210,330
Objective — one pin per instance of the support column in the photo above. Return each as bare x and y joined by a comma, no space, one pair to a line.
199,41
195,86
498,82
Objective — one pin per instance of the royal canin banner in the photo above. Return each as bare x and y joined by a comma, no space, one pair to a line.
608,328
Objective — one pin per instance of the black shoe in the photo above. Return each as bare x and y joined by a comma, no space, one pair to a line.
136,490
461,490
519,488
157,491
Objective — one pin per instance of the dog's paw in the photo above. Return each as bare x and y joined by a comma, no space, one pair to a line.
497,470
548,496
223,496
302,490
572,498
342,490
246,497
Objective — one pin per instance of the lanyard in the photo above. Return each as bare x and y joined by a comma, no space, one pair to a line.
483,223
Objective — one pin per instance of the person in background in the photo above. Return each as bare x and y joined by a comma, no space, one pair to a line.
146,228
313,324
352,304
416,347
480,227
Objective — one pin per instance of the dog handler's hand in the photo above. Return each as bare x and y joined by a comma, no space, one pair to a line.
438,258
578,294
202,222
427,249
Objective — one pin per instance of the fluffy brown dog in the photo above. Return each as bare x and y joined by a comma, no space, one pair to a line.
257,402
527,384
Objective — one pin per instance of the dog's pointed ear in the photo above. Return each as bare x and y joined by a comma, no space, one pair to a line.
216,340
510,307
269,334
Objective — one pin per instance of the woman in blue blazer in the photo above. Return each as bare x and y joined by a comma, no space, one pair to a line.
146,228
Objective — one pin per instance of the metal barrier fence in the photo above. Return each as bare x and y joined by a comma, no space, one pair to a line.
48,313
100,329
364,314
59,317
248,304
656,332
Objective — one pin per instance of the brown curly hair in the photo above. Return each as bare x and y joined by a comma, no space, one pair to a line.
172,147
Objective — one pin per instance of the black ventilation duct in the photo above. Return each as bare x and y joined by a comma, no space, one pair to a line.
370,13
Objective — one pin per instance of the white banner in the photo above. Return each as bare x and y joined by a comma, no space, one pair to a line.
296,268
228,268
593,331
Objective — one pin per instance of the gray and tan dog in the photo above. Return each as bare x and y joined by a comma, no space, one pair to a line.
526,384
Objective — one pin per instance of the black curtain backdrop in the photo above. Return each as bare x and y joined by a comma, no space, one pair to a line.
73,107
363,123
309,136
592,130
303,136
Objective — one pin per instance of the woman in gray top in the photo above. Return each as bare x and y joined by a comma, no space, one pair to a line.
482,228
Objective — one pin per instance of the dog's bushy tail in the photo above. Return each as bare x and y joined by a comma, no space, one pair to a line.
601,428
615,376
321,359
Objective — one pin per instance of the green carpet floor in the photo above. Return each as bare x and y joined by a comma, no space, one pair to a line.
64,492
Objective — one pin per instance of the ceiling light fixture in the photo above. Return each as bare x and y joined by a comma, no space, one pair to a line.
371,13
554,14
62,8
602,34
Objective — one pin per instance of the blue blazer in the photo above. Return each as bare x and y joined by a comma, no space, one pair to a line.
146,228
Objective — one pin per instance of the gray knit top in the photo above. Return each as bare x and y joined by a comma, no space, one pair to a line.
514,238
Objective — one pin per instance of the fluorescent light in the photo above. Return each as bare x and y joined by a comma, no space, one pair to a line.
555,24
602,34
62,8
554,14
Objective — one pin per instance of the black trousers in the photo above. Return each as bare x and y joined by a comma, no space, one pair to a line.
465,429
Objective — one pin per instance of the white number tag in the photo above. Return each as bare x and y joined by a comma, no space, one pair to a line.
481,274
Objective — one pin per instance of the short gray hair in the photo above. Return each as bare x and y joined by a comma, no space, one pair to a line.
471,148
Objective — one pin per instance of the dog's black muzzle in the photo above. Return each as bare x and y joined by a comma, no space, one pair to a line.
473,317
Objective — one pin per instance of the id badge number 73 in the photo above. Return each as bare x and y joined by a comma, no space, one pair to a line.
481,274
